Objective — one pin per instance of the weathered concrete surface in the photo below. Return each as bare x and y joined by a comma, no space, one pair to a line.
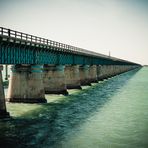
93,74
54,79
84,75
3,112
102,72
72,77
107,71
26,84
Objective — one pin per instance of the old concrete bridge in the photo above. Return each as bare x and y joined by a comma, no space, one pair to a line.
42,66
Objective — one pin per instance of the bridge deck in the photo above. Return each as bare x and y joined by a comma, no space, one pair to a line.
11,41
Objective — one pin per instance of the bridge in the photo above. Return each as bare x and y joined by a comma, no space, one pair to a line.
40,66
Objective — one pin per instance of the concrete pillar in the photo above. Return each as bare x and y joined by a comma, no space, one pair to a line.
108,73
98,71
26,84
93,74
105,71
72,77
3,112
102,72
54,79
113,70
118,69
84,75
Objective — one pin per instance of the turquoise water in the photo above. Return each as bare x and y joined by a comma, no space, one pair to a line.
110,114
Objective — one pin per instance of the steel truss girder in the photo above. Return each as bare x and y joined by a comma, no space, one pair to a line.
17,53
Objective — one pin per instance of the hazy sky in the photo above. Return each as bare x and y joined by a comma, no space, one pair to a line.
118,26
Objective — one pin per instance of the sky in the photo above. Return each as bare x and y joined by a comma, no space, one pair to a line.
116,26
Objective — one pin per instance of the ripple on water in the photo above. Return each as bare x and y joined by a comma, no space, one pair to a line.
112,113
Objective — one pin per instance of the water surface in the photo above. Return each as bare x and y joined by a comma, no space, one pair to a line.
110,114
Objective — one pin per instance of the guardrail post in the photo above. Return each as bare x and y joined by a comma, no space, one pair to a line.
9,33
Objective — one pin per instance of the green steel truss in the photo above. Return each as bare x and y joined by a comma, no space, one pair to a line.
20,48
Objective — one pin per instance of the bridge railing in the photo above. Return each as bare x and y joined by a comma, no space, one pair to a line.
24,36
38,40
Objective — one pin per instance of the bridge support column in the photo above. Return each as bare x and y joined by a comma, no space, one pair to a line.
26,84
98,72
3,112
84,75
102,72
54,79
72,77
117,70
112,71
93,74
105,71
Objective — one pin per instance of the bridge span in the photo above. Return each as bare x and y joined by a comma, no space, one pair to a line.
40,66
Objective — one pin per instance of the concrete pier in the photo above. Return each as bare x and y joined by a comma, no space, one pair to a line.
84,75
26,84
93,74
54,79
111,71
107,71
102,72
72,77
3,112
